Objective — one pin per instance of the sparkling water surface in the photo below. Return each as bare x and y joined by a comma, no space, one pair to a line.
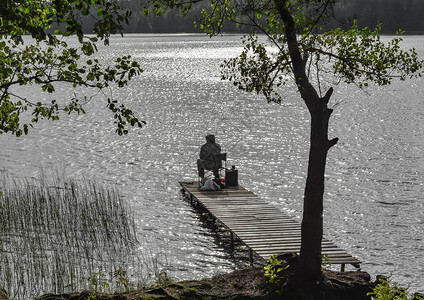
374,186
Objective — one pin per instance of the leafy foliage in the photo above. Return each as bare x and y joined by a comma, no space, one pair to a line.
274,269
47,60
99,285
357,56
385,290
163,279
360,56
121,280
326,263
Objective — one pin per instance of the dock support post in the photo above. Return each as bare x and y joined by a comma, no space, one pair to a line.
191,199
342,268
213,223
231,241
250,256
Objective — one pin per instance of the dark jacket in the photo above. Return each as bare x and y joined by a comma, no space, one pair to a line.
208,150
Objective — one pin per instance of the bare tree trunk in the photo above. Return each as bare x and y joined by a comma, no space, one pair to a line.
312,222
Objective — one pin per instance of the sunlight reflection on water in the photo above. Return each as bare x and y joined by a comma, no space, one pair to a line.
374,188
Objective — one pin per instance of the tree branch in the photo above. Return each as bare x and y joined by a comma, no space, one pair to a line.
307,91
327,95
350,63
332,142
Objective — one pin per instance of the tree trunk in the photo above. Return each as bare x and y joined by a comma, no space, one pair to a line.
312,222
309,270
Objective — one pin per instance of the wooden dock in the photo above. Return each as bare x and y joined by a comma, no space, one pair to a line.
260,226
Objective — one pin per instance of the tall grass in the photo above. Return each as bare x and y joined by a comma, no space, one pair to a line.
54,234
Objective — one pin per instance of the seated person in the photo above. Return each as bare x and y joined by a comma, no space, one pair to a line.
208,159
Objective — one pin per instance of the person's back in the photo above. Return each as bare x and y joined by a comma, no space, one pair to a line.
209,150
208,154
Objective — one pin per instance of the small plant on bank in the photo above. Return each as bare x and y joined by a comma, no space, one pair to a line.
273,270
98,284
325,262
386,290
121,280
163,280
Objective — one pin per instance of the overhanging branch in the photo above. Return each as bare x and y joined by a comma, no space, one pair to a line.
349,62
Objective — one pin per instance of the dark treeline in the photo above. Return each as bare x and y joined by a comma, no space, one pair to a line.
394,14
171,22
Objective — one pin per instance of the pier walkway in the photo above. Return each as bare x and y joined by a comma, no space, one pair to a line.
261,227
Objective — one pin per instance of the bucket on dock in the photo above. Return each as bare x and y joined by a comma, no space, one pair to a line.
231,176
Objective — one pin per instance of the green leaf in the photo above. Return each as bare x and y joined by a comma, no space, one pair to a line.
51,60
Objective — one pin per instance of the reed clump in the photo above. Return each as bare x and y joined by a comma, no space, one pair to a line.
55,234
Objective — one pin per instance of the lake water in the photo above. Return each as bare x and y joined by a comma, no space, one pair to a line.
374,206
